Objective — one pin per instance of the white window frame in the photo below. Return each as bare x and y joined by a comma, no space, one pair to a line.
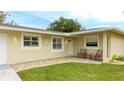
30,47
88,47
57,50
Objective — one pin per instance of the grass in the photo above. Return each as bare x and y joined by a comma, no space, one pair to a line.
74,71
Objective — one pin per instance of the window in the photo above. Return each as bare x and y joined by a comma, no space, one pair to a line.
30,41
57,44
91,42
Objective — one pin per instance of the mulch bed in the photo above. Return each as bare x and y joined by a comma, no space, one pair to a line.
117,62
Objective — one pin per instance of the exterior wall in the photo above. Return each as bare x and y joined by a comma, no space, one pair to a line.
113,43
79,42
15,53
110,42
117,44
105,47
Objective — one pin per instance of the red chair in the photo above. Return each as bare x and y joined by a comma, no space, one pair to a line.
97,55
82,53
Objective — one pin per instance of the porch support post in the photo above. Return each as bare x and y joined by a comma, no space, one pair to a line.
104,47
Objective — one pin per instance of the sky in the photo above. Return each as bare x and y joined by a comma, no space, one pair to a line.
90,13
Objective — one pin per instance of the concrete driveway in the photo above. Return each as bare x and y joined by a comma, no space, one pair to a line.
8,74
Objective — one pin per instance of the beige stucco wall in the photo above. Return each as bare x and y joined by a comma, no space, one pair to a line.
79,42
117,43
15,53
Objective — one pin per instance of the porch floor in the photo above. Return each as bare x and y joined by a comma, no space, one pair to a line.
28,65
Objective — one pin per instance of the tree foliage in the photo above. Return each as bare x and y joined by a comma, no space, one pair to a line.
65,25
12,22
3,18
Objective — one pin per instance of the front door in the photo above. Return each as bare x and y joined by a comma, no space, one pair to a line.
3,49
70,47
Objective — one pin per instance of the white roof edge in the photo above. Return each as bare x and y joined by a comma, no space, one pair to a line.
31,30
118,30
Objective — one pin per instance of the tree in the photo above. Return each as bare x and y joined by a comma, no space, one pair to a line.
3,17
65,25
12,23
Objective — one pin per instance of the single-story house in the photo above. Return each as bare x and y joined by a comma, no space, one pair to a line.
23,44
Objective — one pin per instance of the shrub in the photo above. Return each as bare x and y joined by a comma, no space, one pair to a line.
120,58
114,57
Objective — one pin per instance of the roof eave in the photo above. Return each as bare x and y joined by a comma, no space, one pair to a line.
115,29
20,29
31,30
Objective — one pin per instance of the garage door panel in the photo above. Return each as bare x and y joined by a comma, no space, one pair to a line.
3,49
2,60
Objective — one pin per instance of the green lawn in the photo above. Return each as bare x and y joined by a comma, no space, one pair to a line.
74,71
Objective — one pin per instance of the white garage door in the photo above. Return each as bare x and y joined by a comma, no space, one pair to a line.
3,49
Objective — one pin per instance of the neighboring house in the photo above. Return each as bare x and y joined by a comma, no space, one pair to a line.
22,44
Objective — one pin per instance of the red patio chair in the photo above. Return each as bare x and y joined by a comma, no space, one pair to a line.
82,53
97,55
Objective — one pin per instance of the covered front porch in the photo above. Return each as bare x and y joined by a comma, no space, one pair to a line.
93,42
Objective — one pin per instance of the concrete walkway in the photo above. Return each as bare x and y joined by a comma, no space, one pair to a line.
28,65
8,74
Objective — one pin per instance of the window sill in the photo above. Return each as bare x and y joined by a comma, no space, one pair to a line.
57,50
31,48
91,47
